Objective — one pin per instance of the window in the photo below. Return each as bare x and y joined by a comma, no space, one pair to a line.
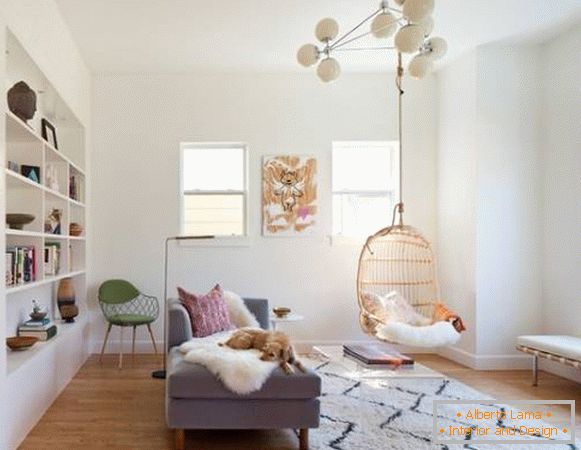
213,180
365,186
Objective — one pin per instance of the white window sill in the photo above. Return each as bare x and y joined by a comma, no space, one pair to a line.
353,241
218,241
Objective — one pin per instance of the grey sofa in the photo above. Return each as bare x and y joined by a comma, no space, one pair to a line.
196,399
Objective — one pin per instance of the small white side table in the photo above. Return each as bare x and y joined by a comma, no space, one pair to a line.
292,317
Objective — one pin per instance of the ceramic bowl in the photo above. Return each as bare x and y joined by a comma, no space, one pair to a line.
281,311
75,229
38,315
19,343
17,221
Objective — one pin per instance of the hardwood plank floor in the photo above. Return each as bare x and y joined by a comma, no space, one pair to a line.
104,408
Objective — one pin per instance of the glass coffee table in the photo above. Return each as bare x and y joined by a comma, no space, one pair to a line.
356,369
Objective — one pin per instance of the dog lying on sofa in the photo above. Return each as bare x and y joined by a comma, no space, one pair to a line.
274,345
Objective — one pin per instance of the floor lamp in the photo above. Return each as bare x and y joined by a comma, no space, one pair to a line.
161,373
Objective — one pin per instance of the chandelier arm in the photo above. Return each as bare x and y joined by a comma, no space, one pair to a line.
354,49
337,45
356,27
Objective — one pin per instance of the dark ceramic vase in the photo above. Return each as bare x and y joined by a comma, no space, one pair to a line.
22,101
66,300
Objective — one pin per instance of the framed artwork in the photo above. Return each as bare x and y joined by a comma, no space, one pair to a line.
48,132
31,172
289,195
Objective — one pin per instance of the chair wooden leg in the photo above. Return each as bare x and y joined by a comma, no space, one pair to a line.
180,436
105,342
152,338
304,439
121,350
133,346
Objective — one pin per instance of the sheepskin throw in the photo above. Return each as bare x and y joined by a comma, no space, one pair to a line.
241,371
239,314
440,334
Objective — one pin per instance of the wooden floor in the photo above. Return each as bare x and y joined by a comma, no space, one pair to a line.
104,408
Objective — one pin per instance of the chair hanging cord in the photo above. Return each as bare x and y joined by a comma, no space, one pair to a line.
398,82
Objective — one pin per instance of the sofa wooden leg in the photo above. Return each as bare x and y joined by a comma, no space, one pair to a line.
180,435
304,439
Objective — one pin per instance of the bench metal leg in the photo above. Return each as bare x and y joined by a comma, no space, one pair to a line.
535,370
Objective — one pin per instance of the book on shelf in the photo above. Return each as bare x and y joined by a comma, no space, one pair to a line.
36,323
21,263
377,354
75,188
42,333
52,252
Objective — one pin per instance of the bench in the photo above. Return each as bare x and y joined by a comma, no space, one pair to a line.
562,349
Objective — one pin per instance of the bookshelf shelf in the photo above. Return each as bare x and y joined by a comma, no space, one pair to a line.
16,360
47,280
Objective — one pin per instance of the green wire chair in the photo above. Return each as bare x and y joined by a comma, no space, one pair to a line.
124,306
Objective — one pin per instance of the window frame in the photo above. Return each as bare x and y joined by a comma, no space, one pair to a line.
218,239
393,145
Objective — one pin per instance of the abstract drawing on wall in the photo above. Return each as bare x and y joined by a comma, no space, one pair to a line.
289,195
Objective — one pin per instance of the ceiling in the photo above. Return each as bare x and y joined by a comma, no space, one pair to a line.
177,36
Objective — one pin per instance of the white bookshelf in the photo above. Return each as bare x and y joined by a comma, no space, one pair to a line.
24,145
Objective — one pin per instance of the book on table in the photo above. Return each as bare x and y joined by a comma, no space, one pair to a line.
377,354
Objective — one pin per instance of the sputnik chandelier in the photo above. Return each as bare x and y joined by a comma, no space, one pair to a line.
410,24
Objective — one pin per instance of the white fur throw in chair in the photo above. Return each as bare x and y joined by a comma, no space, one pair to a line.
439,334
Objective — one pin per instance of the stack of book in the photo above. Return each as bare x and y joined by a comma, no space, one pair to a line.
377,355
20,265
52,258
42,329
75,188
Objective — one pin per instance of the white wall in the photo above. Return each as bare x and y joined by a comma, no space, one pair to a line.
561,180
140,122
456,198
41,30
489,200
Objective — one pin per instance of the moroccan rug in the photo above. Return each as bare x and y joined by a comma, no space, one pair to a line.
394,414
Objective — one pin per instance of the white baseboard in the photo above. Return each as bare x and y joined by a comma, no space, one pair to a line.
487,362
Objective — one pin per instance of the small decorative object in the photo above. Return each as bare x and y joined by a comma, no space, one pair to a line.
53,222
31,172
22,101
20,343
37,312
17,221
13,166
52,178
281,311
48,132
66,300
289,195
75,229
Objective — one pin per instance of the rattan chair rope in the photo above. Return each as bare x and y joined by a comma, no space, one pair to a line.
397,258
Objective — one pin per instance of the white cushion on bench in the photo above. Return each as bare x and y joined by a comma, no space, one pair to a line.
567,346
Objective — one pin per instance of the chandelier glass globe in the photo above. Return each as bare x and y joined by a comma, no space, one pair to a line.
428,25
438,47
308,55
409,38
417,10
329,70
420,66
327,30
384,25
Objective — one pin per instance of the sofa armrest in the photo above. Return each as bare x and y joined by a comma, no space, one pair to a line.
259,307
180,327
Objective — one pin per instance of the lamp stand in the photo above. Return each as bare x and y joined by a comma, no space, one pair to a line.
161,373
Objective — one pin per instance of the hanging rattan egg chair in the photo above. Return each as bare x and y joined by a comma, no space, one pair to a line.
399,259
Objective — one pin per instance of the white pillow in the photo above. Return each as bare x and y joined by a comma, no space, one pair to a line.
440,334
397,309
239,314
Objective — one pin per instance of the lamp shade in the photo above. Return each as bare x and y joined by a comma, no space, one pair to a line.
384,25
420,66
438,47
409,38
329,70
308,55
417,10
327,30
428,25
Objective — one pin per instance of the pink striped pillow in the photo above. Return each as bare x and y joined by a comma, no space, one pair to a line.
208,313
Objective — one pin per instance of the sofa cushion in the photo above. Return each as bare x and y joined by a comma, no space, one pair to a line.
567,346
187,380
208,313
